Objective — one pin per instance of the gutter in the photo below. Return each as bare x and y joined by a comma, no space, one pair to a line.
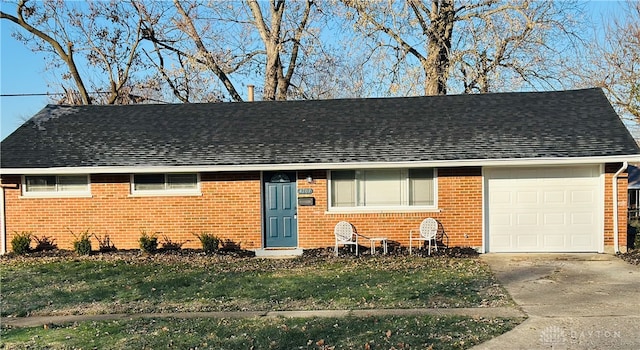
616,232
129,169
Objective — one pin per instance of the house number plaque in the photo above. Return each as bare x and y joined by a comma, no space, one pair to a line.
305,190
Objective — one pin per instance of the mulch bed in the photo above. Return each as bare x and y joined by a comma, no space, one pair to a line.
632,256
364,252
224,254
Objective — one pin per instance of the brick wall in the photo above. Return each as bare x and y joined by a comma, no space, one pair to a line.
459,201
230,208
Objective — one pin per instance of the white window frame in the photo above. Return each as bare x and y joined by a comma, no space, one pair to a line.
58,192
166,191
394,208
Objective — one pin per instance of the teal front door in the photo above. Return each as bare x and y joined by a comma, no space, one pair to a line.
281,224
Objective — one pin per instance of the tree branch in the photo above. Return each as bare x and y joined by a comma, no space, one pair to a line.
66,56
209,60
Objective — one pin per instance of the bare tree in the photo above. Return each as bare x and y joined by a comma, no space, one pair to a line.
395,21
462,43
233,41
184,75
62,48
523,46
277,82
98,36
613,61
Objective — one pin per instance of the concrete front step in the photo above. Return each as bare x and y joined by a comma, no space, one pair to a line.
278,253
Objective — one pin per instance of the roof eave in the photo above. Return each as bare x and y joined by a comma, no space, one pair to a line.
323,166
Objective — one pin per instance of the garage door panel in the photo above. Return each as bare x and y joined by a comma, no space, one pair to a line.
554,197
553,209
554,241
527,240
584,197
529,197
502,220
527,219
585,219
554,219
501,197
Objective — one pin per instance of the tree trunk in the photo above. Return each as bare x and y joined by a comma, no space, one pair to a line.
271,39
436,66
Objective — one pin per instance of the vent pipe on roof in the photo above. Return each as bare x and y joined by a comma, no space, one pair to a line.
250,92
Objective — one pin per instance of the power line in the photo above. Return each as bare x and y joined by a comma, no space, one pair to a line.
63,93
40,94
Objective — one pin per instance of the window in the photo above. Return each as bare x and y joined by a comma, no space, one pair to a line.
56,185
383,188
165,183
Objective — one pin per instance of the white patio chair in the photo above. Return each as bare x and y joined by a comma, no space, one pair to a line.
345,235
427,232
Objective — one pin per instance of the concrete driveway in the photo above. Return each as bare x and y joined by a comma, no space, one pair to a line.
574,301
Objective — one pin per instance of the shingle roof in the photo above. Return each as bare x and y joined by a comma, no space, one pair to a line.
562,124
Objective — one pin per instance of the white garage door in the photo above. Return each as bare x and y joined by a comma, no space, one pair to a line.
551,209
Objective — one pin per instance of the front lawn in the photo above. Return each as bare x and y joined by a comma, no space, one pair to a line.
129,282
388,332
135,283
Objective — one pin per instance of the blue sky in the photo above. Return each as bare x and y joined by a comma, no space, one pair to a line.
23,71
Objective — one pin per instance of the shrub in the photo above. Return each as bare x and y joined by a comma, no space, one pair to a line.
210,242
105,244
148,242
21,242
168,244
230,245
45,243
82,244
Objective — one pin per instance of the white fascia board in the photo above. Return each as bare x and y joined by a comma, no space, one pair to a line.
321,166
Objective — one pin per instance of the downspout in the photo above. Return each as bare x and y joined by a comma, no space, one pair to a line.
3,217
3,224
616,232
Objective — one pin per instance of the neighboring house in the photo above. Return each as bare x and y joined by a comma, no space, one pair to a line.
506,172
633,197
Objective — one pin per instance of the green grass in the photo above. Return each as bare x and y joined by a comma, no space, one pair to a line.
387,332
134,284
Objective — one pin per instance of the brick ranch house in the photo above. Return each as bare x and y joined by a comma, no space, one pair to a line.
505,172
